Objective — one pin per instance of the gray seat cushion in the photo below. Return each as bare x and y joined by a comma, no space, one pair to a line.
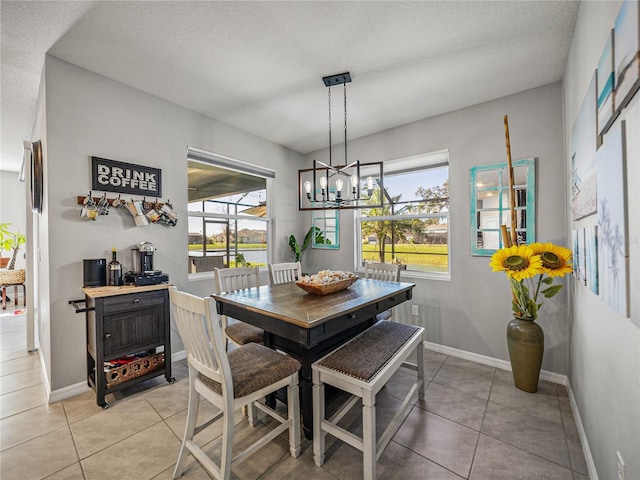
365,355
254,366
242,333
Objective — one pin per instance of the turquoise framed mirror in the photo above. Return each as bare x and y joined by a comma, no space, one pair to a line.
327,223
490,204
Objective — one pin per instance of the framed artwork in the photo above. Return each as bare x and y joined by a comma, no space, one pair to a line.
583,157
591,257
605,79
613,254
627,52
37,177
490,204
579,256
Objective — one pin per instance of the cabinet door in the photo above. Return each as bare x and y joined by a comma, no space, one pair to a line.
132,331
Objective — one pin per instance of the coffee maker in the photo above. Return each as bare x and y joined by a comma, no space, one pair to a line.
142,272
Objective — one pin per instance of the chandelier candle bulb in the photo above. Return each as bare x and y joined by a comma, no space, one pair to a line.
339,185
307,189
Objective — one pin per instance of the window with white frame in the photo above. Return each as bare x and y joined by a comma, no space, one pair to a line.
413,227
228,213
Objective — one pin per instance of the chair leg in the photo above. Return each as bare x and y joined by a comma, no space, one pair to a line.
318,417
369,438
189,430
250,411
4,298
227,444
293,403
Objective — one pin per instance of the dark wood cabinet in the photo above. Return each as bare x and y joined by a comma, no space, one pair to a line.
123,321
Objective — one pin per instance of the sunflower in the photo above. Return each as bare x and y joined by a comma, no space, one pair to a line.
556,260
518,262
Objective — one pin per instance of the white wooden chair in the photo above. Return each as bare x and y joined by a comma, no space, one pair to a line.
223,379
389,272
284,272
228,280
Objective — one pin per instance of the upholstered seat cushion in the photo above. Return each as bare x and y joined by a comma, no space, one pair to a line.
242,333
369,352
254,366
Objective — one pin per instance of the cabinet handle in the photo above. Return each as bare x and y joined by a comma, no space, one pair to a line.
108,335
137,300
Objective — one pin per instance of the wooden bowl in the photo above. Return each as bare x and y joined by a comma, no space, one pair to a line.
327,288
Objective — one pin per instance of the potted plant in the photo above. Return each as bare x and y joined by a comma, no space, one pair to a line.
531,270
298,250
10,241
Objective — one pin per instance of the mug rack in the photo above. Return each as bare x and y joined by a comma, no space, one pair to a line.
142,211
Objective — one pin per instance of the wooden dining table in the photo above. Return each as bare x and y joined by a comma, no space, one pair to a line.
308,326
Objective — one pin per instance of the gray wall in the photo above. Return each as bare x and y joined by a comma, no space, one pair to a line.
471,311
605,346
88,114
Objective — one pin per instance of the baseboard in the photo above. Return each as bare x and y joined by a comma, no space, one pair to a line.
588,458
68,392
492,362
544,375
177,356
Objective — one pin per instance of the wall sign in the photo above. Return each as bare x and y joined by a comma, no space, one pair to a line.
113,176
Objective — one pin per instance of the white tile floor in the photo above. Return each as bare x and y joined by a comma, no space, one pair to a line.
474,424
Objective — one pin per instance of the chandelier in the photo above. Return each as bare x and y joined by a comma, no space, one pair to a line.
347,186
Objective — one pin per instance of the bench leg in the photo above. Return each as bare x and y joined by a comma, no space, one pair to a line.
420,350
318,416
369,437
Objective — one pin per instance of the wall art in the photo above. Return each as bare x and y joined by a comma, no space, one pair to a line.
627,52
613,253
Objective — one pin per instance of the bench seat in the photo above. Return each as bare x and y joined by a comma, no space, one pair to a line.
362,367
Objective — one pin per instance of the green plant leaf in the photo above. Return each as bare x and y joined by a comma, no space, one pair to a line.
551,291
547,280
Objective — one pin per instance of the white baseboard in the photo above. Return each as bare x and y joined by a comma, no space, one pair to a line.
492,362
177,356
544,375
68,392
588,458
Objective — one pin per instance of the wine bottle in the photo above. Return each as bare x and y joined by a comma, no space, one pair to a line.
115,270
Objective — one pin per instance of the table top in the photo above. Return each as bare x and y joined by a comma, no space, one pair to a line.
290,303
98,292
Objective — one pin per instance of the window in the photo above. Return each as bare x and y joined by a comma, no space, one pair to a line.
490,204
228,214
413,227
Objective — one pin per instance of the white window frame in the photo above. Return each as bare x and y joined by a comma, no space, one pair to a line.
406,165
229,163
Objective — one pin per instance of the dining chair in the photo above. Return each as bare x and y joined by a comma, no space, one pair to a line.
284,272
230,381
389,272
228,280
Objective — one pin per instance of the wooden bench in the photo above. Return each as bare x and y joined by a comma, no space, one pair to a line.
362,367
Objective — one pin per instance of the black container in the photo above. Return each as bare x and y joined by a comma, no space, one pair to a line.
94,272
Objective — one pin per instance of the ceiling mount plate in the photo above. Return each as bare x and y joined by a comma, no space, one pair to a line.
338,79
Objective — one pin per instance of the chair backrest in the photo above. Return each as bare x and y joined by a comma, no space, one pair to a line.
202,336
230,279
382,271
284,272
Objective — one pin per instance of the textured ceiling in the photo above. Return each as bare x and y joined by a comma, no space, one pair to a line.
259,65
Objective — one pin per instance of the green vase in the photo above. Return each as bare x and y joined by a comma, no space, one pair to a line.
525,340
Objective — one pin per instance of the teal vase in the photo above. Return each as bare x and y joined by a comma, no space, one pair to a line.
525,340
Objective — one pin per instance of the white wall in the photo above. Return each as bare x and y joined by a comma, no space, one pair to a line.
471,311
88,114
605,346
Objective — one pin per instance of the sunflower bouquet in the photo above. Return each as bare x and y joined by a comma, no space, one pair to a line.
531,269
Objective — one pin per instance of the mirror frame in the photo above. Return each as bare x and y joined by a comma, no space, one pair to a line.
502,209
319,219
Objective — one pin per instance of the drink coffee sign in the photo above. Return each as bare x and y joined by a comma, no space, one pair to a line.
120,177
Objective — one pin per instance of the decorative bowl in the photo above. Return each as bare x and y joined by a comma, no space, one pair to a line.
327,288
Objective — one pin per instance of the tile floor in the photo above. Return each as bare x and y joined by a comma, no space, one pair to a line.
474,424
